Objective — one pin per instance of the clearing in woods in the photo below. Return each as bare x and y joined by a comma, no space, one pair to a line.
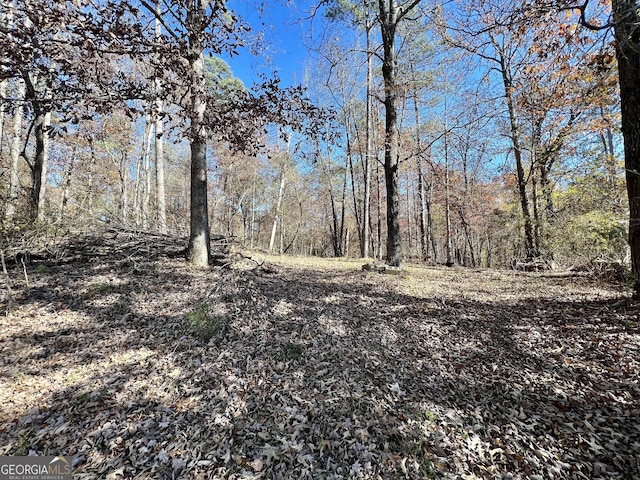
138,366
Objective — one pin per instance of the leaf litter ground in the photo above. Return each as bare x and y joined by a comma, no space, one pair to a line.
319,371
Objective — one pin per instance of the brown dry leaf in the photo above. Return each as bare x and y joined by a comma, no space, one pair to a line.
321,371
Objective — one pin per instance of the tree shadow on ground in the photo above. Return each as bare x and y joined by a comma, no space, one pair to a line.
565,372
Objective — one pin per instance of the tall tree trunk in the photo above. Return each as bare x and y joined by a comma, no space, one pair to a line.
336,240
366,221
422,214
16,150
137,193
89,197
379,212
626,15
530,250
388,24
146,198
537,220
343,208
354,196
430,230
536,159
159,142
606,137
124,214
253,212
424,249
66,186
354,190
447,202
281,249
160,182
6,19
347,241
467,236
547,193
3,92
199,238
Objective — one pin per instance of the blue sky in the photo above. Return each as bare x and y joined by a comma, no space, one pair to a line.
284,34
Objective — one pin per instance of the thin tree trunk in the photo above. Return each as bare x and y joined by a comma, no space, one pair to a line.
430,231
447,203
343,208
42,122
537,220
424,250
276,218
379,211
606,137
409,217
16,150
3,92
530,250
346,244
354,193
137,194
521,178
123,188
366,221
6,19
336,238
146,198
143,181
90,180
160,182
467,236
547,193
159,142
422,214
281,249
253,213
66,189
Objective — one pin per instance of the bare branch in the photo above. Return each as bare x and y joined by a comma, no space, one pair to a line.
583,17
406,8
157,15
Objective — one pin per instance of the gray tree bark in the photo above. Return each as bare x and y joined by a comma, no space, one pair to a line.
388,26
199,238
16,150
276,218
159,143
626,17
366,221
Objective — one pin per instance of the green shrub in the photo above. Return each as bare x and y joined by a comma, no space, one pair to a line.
99,289
42,268
203,323
592,236
291,351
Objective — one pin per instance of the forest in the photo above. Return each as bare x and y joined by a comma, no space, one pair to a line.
466,134
182,245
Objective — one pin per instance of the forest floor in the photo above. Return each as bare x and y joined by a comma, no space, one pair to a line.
138,366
